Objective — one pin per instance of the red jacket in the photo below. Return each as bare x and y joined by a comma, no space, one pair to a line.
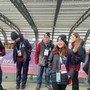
40,50
36,53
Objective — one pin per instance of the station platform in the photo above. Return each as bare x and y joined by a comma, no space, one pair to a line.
10,85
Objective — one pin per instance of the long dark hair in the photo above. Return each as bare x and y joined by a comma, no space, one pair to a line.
77,42
65,51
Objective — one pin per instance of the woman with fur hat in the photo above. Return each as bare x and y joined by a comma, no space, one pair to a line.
58,70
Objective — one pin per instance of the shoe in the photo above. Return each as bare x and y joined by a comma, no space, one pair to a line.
49,87
23,86
18,87
38,87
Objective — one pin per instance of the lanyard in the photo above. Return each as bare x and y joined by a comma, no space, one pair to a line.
19,47
61,66
60,58
59,63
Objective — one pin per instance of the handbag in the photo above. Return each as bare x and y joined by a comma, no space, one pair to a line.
62,78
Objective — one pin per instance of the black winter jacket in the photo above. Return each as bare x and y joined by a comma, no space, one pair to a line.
55,59
26,51
40,51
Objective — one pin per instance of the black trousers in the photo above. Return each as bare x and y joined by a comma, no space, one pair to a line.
21,76
1,88
75,82
56,86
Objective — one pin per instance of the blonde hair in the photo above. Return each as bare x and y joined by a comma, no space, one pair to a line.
77,42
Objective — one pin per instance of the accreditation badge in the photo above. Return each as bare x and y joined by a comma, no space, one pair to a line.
46,52
63,68
58,77
19,53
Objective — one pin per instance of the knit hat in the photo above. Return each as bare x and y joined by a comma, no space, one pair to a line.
63,38
47,34
14,35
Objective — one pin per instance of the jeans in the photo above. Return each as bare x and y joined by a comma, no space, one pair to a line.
40,74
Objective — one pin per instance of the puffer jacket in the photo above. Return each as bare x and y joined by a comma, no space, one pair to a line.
26,50
40,51
55,59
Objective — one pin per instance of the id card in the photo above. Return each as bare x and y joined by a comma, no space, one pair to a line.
19,53
0,52
63,68
58,77
46,52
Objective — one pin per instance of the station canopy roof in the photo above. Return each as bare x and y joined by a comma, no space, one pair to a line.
33,18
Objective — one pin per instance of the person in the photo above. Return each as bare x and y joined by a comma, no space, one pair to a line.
88,53
2,53
21,56
78,51
59,58
86,67
42,53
